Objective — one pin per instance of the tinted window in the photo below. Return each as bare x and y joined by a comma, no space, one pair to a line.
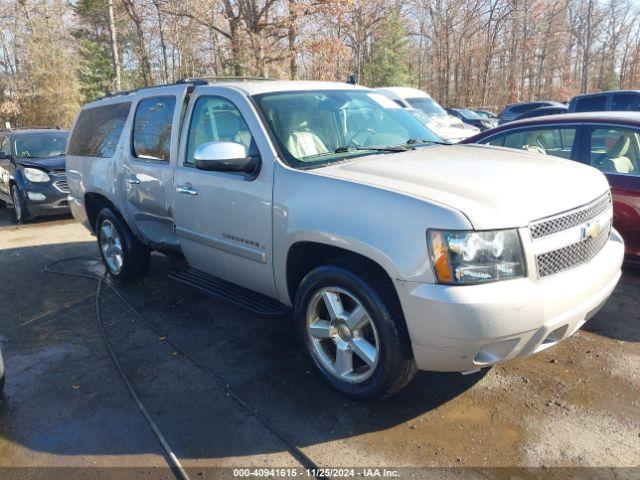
549,141
152,128
216,119
41,145
97,130
523,107
625,101
615,150
596,103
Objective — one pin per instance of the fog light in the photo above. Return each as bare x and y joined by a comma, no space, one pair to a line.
35,196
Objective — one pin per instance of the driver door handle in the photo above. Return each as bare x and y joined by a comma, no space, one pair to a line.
186,189
133,180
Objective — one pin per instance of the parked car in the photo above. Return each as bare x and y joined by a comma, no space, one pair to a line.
608,141
446,126
514,110
329,200
543,111
470,117
33,179
616,100
486,114
2,375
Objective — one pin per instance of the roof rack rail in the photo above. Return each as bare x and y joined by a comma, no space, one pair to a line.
222,78
35,127
183,81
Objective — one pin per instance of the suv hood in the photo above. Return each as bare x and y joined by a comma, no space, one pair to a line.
46,164
494,187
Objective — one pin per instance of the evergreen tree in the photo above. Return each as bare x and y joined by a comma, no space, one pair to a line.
388,65
95,69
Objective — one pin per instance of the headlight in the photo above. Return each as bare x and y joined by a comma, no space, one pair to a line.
462,257
36,175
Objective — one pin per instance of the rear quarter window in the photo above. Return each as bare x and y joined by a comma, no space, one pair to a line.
152,128
97,130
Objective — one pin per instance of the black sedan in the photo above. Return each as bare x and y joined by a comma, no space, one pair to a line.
472,118
33,177
543,112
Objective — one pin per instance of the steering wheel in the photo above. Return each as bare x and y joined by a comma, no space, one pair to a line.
354,142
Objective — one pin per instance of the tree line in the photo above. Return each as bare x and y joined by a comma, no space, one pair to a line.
56,55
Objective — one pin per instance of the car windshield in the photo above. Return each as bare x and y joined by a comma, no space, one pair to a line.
313,128
468,114
41,145
427,105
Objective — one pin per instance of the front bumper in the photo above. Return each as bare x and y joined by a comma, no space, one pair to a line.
463,328
45,199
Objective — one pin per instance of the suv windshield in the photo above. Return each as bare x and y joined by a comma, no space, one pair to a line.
427,105
41,145
313,128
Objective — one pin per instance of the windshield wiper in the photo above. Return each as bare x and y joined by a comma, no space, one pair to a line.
391,148
345,149
413,141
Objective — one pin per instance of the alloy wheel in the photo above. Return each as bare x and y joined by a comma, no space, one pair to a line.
342,334
16,203
111,246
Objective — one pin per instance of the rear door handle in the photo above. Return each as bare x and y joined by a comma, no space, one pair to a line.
186,190
133,180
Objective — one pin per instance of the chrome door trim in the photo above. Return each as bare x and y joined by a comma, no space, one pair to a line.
224,245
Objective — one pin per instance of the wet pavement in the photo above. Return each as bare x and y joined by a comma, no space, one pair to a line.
575,404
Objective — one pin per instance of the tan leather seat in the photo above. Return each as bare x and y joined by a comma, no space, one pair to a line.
301,141
615,160
533,144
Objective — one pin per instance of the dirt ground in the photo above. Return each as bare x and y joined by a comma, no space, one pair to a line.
574,405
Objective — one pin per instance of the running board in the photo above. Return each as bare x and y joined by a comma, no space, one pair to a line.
218,288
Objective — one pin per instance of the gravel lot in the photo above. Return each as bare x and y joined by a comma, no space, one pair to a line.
574,405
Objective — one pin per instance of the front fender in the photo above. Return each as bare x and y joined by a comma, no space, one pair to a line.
385,226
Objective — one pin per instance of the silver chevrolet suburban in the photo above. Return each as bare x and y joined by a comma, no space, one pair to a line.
394,252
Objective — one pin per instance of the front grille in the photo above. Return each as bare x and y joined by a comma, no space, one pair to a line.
61,185
570,219
572,255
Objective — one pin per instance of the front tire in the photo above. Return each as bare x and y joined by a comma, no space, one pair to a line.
124,256
353,332
20,211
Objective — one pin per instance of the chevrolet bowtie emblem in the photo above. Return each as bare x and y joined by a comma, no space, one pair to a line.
591,230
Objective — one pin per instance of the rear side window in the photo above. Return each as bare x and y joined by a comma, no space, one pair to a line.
97,130
625,101
596,103
550,141
152,128
524,107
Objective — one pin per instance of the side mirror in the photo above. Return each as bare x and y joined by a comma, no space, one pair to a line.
224,157
5,156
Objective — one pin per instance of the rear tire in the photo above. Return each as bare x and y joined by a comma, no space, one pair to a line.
124,256
375,355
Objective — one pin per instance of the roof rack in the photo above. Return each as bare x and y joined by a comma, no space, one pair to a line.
222,78
35,127
190,81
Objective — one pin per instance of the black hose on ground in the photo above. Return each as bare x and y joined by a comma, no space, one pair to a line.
174,463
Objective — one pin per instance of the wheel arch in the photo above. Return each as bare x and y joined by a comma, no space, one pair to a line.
93,203
305,255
